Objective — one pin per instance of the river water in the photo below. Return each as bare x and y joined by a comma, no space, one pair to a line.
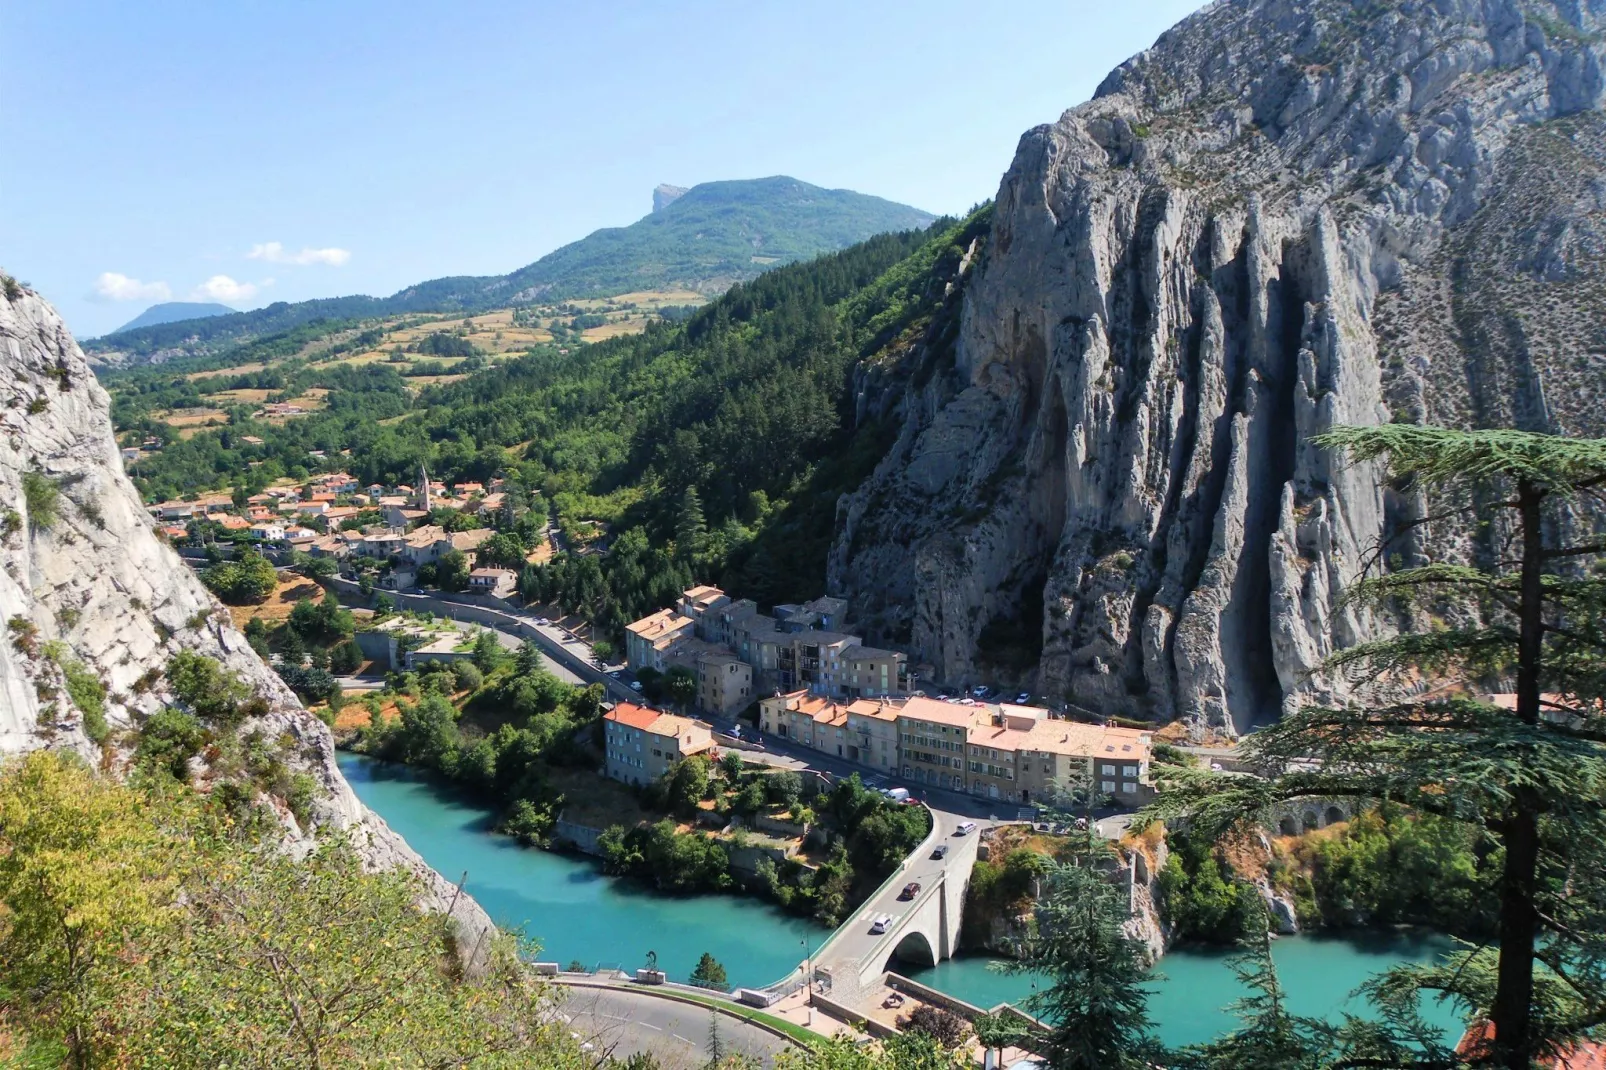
577,913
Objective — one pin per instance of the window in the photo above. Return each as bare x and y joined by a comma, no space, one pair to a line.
1108,787
1129,787
1109,770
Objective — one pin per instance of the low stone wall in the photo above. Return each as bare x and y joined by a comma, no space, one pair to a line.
375,646
852,1017
926,994
582,837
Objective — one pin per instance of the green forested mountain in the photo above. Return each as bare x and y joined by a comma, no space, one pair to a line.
728,437
714,235
174,311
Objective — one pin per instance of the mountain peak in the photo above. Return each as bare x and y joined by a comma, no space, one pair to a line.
173,311
665,195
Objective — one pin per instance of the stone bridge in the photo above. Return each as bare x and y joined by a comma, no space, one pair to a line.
1292,817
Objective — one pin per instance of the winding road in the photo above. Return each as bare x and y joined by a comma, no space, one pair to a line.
624,1022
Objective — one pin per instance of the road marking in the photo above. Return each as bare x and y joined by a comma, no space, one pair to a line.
682,1039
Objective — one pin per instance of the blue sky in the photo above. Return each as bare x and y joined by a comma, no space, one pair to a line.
258,151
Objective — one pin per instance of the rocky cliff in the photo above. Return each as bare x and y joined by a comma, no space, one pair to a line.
85,582
1286,215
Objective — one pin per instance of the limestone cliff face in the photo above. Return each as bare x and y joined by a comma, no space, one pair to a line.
96,580
1286,215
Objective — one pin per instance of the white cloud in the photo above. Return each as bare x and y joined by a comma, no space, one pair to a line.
224,289
111,286
275,253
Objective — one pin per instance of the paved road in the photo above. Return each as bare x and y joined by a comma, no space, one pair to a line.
627,1022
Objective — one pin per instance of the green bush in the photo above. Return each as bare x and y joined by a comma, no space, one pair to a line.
43,498
167,742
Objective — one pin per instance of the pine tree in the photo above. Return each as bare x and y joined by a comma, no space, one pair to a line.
1097,1002
1532,778
1270,1038
691,530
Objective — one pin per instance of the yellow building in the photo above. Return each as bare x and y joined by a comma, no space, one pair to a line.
931,741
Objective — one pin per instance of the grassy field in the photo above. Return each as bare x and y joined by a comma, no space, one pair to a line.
291,590
493,333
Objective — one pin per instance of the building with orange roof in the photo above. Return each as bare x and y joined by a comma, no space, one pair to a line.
1478,1042
931,741
642,744
873,733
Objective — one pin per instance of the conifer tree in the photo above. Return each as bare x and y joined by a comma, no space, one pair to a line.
1096,1002
691,530
1529,610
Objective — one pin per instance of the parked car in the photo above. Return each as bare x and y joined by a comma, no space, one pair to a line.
635,685
897,794
880,924
910,890
981,690
965,828
1023,698
941,851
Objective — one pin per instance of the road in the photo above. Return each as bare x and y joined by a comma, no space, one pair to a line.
627,1022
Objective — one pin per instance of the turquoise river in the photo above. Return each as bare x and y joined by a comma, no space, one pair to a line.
577,913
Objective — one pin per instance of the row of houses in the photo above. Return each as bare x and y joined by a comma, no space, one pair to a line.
737,652
1011,753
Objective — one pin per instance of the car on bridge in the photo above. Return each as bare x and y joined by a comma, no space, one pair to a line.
941,851
965,828
880,924
910,890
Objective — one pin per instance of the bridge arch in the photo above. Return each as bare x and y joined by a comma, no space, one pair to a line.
1313,819
1335,814
914,948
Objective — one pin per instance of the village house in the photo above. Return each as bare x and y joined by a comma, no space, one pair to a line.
873,734
811,720
496,582
931,741
724,682
648,639
642,744
267,531
696,602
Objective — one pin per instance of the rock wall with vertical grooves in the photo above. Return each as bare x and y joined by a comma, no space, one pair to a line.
1286,215
96,580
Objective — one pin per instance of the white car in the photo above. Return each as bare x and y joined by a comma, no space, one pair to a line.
635,685
965,828
879,926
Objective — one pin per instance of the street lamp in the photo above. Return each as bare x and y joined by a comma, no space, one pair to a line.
808,977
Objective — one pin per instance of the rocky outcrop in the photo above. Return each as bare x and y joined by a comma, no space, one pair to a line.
1286,215
665,195
92,585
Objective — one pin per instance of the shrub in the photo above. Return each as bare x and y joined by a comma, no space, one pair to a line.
469,677
43,498
345,657
167,742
